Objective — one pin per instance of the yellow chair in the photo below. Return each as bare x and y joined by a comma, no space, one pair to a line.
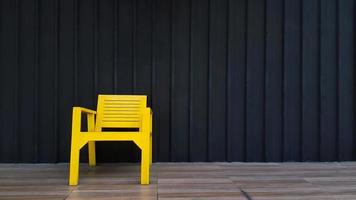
114,112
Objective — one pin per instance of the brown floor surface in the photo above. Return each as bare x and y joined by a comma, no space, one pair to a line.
275,181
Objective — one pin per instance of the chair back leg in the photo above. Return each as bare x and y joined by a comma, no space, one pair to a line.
145,164
92,157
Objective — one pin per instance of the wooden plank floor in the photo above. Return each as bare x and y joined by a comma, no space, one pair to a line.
182,181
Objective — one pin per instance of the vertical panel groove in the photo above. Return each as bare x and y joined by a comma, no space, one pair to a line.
354,78
171,100
209,84
227,82
35,75
228,107
282,84
190,83
319,79
264,81
116,43
16,87
153,76
245,83
55,79
301,82
1,86
337,45
134,67
75,49
96,43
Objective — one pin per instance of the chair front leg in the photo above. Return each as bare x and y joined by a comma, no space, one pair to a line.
74,164
75,147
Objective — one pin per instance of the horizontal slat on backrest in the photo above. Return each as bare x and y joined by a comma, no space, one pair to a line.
120,111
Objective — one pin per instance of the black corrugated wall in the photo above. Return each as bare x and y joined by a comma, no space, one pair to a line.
228,80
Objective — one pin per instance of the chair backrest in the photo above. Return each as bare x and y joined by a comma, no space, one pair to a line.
120,111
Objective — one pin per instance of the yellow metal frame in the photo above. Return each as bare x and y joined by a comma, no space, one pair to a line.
113,111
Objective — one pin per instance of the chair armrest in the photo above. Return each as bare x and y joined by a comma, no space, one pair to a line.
77,119
85,110
150,110
146,120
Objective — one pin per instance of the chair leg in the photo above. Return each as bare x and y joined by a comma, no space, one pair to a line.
150,153
145,165
92,157
74,166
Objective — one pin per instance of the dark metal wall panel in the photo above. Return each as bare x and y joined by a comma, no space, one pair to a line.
199,80
163,51
274,80
217,80
255,80
26,123
236,78
292,80
66,81
9,80
328,81
345,40
311,80
180,79
228,80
